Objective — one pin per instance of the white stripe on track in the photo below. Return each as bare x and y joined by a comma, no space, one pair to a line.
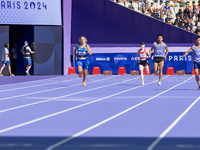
30,104
25,87
72,108
31,81
110,118
1,99
171,126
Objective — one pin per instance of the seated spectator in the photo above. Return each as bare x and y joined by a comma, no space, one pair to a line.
152,8
167,8
198,28
145,9
171,4
169,19
182,18
177,22
193,5
160,6
143,4
131,7
195,18
198,8
188,29
186,12
161,17
179,12
195,10
187,5
188,24
182,26
136,1
182,3
155,14
190,15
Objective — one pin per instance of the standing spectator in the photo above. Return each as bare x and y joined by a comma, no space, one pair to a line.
6,59
169,19
143,4
152,8
160,6
182,26
179,13
26,50
155,14
167,8
145,9
14,58
177,22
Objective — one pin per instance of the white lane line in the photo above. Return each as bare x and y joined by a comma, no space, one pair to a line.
50,90
110,118
171,126
25,87
31,81
51,99
72,108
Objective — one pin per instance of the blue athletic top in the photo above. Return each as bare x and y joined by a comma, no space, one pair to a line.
196,55
159,51
82,52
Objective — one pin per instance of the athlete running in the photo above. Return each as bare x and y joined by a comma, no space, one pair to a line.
82,50
143,63
160,55
195,49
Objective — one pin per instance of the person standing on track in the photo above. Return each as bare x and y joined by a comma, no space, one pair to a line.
160,55
143,63
26,50
6,60
82,49
195,49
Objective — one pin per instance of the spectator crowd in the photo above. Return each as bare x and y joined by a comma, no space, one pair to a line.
180,13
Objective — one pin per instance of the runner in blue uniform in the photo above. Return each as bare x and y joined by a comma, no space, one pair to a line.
160,55
82,50
195,49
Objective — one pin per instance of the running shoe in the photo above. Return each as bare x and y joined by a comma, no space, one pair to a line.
12,74
84,84
159,83
27,73
1,74
142,83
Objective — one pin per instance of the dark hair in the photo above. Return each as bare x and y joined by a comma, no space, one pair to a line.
6,45
160,35
197,37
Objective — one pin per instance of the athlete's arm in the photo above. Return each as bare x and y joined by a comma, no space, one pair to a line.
75,51
30,50
137,56
167,50
150,52
188,51
88,50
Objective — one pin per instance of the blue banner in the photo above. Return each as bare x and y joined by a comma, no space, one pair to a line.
112,61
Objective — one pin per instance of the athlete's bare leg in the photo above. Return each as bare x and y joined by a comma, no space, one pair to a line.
80,70
85,72
141,73
161,64
2,68
197,76
155,67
